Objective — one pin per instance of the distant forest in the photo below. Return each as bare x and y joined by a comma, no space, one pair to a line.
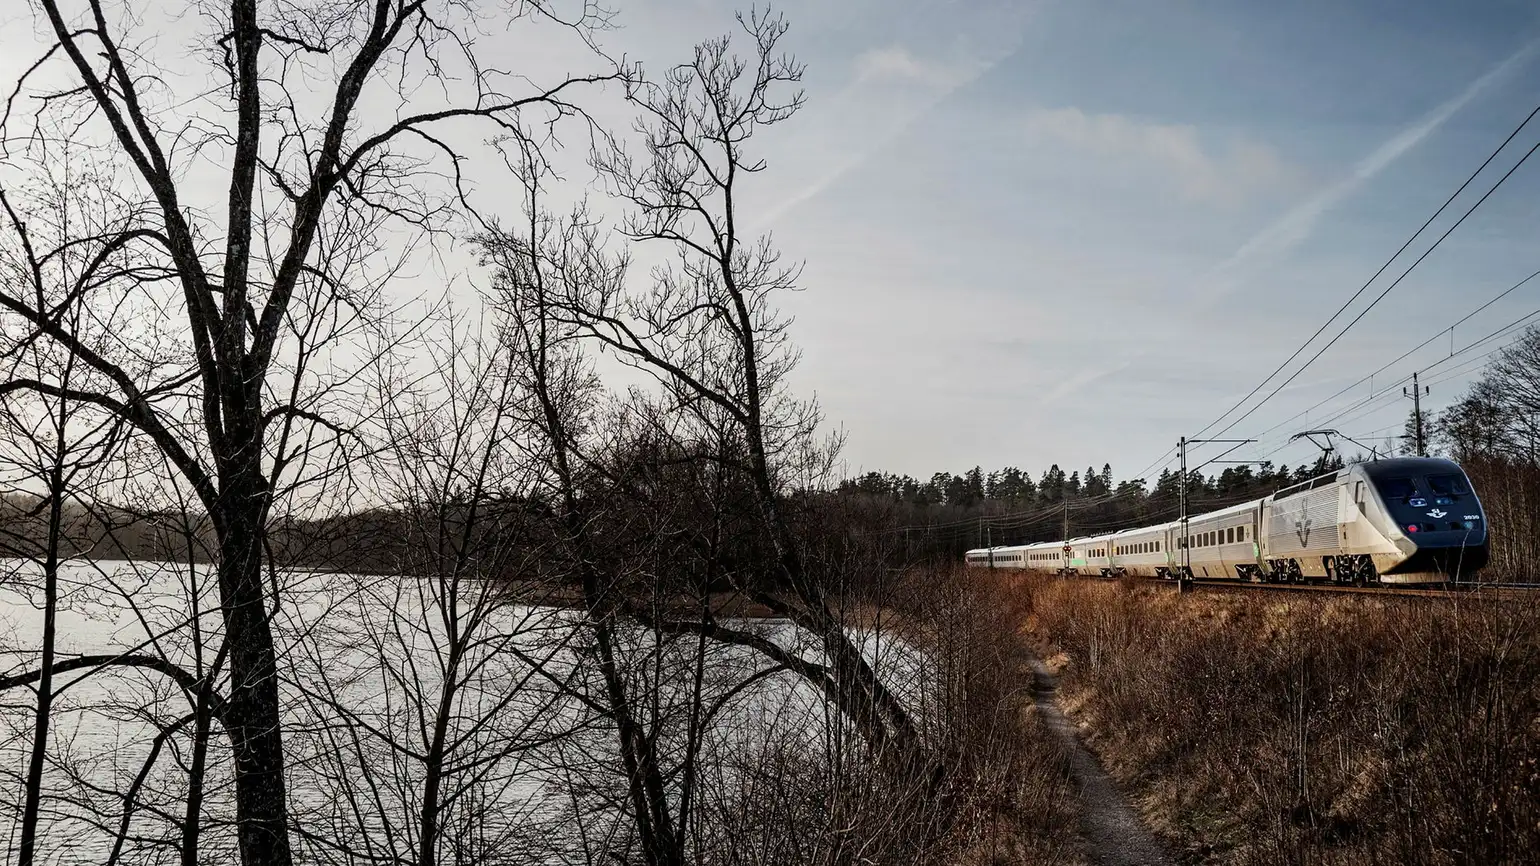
950,513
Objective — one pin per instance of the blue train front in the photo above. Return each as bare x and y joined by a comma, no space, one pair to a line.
1432,517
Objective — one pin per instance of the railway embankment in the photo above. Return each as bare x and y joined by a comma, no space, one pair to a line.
1271,728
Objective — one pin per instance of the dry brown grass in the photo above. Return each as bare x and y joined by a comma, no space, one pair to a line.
1268,728
1010,795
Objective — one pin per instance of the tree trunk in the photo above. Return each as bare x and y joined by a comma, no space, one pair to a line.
253,717
34,793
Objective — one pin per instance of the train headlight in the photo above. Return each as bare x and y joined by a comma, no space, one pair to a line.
1411,527
1470,524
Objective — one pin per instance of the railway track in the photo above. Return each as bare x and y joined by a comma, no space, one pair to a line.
1483,592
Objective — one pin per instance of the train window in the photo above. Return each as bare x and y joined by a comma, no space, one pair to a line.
1230,535
1396,488
1448,485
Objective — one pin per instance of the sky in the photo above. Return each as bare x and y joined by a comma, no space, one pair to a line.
1071,232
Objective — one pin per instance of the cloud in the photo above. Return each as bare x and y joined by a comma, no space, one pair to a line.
1298,223
1220,176
1081,380
899,65
907,87
933,52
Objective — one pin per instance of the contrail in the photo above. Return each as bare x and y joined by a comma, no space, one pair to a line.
1291,229
1010,29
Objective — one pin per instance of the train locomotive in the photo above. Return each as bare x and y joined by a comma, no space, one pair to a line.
1404,520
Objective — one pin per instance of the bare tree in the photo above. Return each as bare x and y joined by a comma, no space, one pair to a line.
428,686
547,364
55,451
708,329
266,283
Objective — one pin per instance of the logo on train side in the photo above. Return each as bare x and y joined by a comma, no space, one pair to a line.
1302,527
1437,512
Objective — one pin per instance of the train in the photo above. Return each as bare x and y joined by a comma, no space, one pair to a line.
1401,520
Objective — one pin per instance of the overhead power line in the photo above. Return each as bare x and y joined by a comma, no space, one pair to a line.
1442,331
1391,393
1388,262
1381,296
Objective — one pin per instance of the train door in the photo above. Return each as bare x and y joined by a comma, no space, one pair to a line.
1355,529
1350,494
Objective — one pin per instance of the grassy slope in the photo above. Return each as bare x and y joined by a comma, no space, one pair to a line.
1273,729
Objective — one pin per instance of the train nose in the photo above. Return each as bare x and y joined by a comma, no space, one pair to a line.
1455,548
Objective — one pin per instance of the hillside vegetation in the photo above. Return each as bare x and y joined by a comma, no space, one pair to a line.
1276,729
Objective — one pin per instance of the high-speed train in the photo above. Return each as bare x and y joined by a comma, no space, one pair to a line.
1406,520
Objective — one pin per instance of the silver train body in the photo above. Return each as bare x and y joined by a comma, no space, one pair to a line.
1408,520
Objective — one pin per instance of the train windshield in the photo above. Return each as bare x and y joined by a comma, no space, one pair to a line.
1448,485
1396,488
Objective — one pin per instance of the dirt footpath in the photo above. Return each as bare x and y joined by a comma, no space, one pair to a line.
1112,831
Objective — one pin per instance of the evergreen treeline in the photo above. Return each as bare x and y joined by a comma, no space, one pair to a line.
951,513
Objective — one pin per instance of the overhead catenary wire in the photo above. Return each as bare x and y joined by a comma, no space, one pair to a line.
1387,290
1384,267
1368,378
1391,392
